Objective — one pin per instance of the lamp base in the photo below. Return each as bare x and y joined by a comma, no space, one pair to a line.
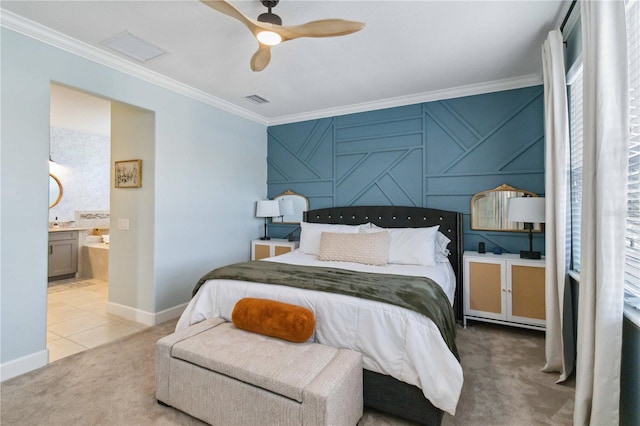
529,254
268,238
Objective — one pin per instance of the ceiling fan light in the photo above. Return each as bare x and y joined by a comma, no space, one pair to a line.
269,38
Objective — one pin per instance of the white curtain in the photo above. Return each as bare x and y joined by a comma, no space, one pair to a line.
559,345
606,136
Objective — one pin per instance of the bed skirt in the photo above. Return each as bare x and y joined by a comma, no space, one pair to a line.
386,394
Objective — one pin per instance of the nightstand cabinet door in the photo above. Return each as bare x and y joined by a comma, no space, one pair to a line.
485,288
504,289
278,250
261,249
527,293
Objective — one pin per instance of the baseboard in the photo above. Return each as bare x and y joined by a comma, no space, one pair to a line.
171,313
24,364
144,317
40,359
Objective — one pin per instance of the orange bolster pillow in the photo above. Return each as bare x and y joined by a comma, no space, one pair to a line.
275,319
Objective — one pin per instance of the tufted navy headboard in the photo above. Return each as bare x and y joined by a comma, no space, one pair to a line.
403,217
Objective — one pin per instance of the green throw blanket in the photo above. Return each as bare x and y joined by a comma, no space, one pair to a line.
418,294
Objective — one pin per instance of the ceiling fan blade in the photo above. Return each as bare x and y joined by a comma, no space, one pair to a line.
224,7
261,58
321,28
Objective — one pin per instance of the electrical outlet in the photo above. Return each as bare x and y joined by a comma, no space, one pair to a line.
123,223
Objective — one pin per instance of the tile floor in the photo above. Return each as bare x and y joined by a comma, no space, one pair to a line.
77,319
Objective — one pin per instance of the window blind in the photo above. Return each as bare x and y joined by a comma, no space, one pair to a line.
575,166
632,240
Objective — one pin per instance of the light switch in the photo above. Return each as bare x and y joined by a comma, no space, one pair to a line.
123,223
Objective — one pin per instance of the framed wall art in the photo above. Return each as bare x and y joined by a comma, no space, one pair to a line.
128,174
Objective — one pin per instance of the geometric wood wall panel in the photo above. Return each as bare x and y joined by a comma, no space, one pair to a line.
434,154
300,158
487,147
383,178
389,147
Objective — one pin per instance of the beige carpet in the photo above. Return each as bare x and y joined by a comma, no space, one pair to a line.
114,385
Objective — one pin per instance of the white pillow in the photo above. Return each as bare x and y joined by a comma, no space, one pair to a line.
410,246
442,252
310,234
367,248
372,227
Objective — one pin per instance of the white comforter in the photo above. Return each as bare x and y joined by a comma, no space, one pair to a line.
393,341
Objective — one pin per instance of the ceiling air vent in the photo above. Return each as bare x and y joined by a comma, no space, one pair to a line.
134,47
257,99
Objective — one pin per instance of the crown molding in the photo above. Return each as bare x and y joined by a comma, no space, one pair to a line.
418,98
54,38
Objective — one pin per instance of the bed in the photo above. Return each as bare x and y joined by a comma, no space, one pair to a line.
410,368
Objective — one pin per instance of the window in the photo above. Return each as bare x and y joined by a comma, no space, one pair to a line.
632,242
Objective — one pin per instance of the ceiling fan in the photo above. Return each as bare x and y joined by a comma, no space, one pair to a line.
268,29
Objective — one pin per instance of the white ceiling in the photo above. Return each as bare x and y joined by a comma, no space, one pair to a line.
409,51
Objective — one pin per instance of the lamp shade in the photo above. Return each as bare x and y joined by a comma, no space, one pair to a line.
267,208
526,209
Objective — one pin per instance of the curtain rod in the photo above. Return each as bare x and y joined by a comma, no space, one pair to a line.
566,17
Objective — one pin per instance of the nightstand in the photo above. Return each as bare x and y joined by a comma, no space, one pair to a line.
504,289
273,247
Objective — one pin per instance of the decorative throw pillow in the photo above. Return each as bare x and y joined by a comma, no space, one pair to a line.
369,248
275,319
310,234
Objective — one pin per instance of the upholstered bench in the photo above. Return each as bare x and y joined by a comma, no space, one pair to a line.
227,376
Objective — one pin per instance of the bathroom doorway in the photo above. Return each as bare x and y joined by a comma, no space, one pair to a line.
79,225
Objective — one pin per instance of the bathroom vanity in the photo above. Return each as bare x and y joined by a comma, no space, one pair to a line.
63,254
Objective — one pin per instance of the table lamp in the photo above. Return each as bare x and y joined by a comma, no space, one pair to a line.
267,209
528,210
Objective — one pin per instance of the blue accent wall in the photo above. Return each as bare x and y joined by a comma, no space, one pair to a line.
434,154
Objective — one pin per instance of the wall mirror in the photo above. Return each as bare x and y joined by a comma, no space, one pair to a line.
55,190
489,210
299,204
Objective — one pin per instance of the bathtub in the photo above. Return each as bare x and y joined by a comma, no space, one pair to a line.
103,246
95,261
